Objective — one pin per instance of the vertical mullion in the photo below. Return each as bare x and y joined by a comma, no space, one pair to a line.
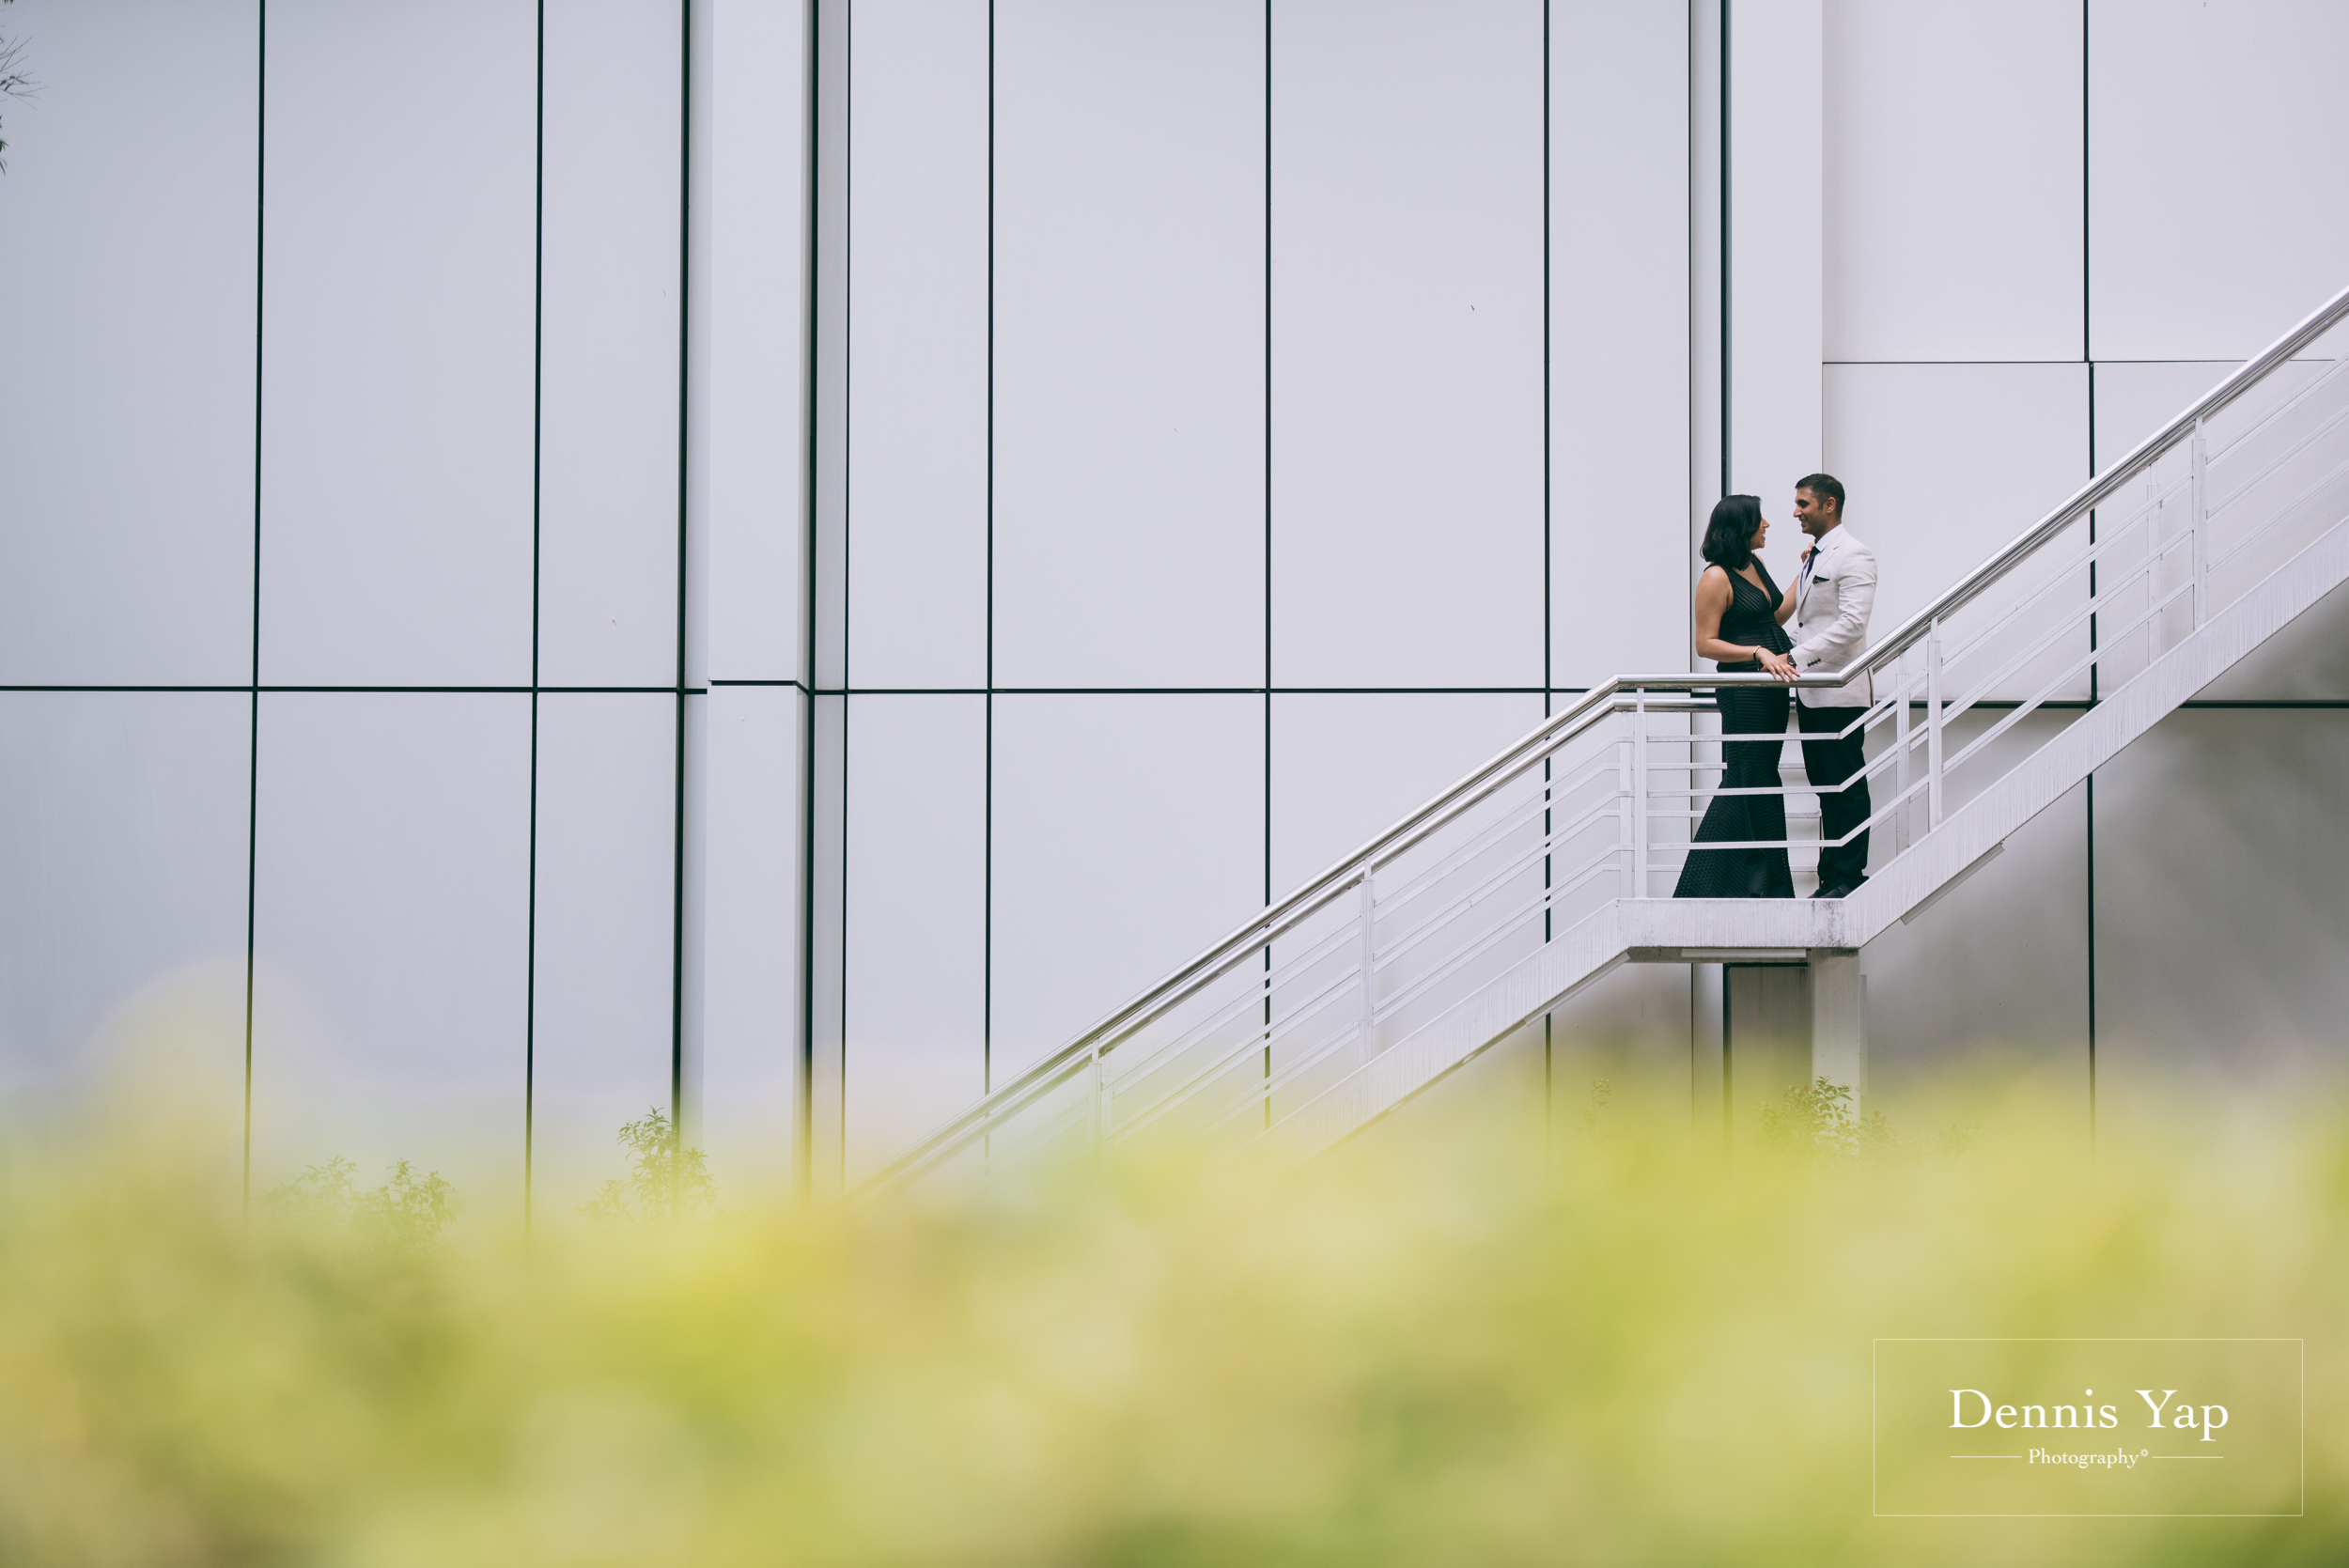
1267,548
847,537
253,708
2087,355
684,306
987,833
1549,676
803,1168
537,438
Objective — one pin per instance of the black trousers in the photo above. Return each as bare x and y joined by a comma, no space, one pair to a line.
1829,761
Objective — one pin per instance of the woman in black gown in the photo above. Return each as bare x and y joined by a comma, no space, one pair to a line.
1738,616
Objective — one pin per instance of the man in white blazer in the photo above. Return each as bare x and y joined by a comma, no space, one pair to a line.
1833,598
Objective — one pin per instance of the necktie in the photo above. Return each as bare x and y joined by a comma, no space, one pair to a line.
1810,574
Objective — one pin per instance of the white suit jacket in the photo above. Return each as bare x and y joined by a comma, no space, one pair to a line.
1833,602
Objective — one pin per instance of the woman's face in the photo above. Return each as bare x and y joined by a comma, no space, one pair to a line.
1761,532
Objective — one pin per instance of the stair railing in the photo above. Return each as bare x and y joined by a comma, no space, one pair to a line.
1598,803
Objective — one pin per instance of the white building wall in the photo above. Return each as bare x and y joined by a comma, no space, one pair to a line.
2036,255
367,473
1230,423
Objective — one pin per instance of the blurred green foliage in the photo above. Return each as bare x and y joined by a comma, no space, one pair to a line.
1425,1349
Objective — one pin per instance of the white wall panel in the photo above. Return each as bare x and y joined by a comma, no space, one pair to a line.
2135,398
1129,835
1347,767
916,919
1406,344
392,889
1953,181
1776,245
1619,339
2307,661
2213,145
605,936
1492,1105
122,877
1994,976
918,387
608,499
1130,343
1639,1018
396,382
2222,886
126,387
1942,464
747,495
1630,1033
2308,658
754,813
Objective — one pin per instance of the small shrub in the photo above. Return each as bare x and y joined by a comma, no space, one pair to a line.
406,1214
1814,1124
666,1181
1594,1117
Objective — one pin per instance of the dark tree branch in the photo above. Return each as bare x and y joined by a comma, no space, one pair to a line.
14,81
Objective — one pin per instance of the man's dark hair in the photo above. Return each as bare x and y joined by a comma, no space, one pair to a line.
1728,535
1826,487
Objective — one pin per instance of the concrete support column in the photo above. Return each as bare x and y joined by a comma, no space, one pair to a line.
1839,1035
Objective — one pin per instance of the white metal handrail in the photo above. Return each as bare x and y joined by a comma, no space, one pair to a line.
1504,846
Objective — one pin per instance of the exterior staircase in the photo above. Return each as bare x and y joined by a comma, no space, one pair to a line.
1546,868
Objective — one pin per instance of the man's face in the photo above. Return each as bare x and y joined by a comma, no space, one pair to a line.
1815,513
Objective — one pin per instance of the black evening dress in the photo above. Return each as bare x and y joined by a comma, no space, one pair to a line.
1751,619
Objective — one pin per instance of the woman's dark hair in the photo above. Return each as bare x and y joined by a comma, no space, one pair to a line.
1727,538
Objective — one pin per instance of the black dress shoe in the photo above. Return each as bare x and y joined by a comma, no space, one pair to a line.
1838,891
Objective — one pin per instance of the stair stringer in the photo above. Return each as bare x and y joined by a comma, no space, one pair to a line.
1611,934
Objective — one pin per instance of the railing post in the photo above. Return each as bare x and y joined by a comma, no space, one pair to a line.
1625,802
1639,795
1900,769
2200,501
1933,726
1264,1003
1100,1112
1369,921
